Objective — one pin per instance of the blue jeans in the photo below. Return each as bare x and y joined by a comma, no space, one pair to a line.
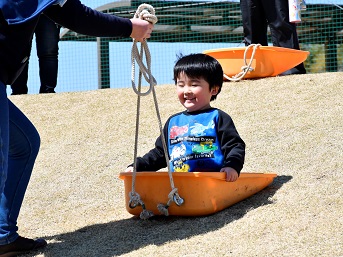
19,146
47,37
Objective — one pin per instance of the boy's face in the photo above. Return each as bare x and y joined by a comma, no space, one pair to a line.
194,93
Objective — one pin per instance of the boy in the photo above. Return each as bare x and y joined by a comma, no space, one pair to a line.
201,138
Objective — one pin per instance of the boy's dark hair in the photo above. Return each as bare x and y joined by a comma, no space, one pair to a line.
201,66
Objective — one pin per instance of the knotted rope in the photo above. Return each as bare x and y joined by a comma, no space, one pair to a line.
246,67
144,12
147,13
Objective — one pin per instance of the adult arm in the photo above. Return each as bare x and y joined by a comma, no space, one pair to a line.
82,19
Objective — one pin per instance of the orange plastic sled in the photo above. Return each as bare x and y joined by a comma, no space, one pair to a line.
268,61
204,193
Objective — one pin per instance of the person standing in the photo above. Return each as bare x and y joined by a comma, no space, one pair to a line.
19,139
47,35
257,15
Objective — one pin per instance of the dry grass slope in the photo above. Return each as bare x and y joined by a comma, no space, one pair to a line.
293,126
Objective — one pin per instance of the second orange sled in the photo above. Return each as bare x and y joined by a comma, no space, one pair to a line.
204,193
268,61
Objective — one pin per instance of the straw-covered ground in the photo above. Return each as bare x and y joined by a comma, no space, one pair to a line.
292,125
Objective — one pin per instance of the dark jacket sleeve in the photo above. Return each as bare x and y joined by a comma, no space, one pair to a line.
232,145
82,19
155,159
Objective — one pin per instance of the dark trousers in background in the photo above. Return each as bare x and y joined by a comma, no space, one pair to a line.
257,15
47,38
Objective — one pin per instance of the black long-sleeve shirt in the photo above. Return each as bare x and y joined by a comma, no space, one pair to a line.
205,140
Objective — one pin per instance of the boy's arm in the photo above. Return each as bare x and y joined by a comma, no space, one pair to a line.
232,145
155,159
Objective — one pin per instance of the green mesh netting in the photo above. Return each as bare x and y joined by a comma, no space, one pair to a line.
88,63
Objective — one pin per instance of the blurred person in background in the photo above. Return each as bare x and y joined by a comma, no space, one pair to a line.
257,15
47,35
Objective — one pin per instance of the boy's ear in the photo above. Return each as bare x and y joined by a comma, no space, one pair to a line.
214,90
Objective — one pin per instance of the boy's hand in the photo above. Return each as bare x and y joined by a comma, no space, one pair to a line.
231,174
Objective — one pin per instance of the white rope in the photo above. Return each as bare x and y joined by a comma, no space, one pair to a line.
247,67
147,12
144,12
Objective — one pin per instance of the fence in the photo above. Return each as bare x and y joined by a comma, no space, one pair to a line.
184,27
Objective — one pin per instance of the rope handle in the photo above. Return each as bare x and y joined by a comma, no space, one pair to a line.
144,12
246,67
147,12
